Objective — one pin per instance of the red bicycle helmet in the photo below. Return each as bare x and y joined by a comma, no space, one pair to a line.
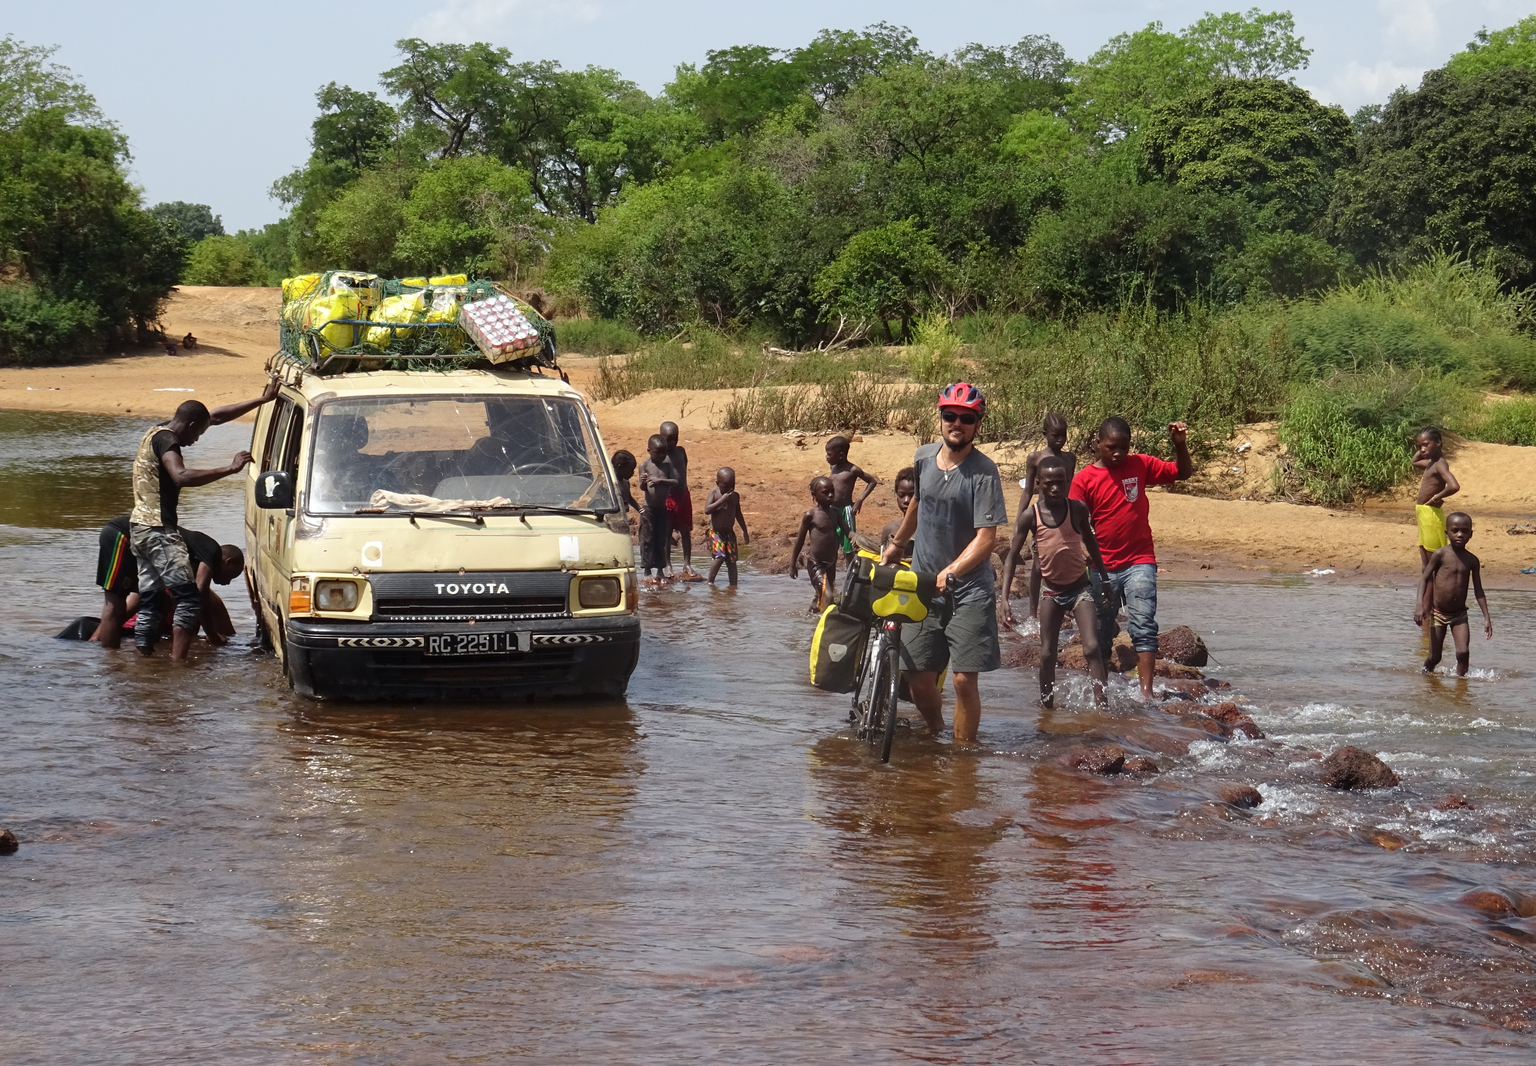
965,396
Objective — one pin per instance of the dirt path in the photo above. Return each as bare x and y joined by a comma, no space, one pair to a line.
1196,535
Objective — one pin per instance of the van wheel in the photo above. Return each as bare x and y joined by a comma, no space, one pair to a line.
263,634
287,662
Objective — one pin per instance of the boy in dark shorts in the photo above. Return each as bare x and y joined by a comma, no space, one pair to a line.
1064,546
1054,429
724,510
658,480
822,532
905,486
680,507
845,478
1443,595
117,574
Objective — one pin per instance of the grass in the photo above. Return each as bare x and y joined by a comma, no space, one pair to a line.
1510,421
596,336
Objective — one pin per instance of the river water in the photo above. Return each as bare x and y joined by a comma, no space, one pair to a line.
214,871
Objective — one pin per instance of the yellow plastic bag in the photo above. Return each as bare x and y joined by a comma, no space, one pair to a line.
419,283
322,309
300,287
450,279
445,308
407,307
366,287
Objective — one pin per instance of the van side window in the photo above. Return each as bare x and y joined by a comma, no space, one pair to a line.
277,434
288,459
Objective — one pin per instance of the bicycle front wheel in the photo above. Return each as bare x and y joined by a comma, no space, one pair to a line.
892,686
871,723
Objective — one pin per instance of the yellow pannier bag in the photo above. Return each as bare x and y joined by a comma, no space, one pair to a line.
875,591
450,279
322,309
300,287
837,646
407,307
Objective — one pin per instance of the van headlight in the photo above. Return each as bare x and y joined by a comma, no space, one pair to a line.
599,592
335,595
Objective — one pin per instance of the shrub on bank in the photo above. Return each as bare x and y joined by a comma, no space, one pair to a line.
1507,422
596,336
36,330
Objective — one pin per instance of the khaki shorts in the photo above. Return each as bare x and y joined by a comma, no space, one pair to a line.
968,643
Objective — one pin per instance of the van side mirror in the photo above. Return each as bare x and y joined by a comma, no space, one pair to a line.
274,490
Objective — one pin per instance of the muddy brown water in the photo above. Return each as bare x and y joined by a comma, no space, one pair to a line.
214,871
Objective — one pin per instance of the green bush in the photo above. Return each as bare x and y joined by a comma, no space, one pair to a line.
36,330
1507,361
222,260
1507,422
1338,333
596,336
1352,433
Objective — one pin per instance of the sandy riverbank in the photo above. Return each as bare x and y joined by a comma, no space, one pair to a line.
1197,534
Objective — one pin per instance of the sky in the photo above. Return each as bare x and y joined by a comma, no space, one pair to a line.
217,98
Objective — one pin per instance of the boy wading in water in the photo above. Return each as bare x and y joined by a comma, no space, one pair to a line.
1064,546
905,486
680,506
161,551
724,510
1443,595
657,482
1054,430
845,478
1438,483
1114,487
822,532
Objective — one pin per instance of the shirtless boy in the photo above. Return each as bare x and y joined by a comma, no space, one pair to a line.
1064,546
1443,595
822,532
1438,483
906,490
724,510
658,481
624,468
1054,430
680,508
845,478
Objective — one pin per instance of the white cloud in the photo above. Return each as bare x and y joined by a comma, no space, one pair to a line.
1359,84
479,20
1417,21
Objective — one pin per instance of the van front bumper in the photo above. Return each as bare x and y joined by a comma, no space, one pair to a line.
565,658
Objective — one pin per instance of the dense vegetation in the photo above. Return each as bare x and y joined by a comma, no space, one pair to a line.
1170,227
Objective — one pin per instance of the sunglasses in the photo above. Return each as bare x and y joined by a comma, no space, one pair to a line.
965,418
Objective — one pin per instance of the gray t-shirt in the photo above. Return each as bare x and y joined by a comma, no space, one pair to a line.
951,506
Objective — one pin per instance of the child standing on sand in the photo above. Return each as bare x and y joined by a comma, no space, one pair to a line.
724,510
845,478
1437,484
1054,429
822,531
906,491
657,482
1443,595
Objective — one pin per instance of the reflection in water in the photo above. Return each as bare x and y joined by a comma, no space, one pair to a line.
213,871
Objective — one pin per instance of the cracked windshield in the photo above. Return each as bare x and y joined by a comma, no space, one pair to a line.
522,451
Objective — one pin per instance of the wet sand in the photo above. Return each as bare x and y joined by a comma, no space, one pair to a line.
1196,534
213,871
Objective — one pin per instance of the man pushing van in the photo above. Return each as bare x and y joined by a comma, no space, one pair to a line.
158,478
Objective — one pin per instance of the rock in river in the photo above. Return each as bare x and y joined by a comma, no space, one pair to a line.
1349,767
1104,759
1245,796
1182,645
8,842
1492,904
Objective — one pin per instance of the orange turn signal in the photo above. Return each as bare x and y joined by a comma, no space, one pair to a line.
298,596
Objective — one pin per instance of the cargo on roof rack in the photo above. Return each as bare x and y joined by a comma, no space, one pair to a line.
346,320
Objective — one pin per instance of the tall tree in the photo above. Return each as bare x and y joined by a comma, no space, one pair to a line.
452,89
194,221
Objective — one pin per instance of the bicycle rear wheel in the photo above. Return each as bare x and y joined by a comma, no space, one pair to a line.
871,722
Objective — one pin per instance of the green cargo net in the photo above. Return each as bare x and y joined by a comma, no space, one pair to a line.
343,320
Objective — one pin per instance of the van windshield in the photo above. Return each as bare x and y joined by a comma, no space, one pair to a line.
517,451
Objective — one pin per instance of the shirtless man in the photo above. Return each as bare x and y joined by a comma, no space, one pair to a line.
1443,595
1055,432
845,478
1437,484
680,506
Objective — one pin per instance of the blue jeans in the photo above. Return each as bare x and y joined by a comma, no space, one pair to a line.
1136,586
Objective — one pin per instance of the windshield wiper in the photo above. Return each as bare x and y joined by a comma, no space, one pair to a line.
413,515
549,508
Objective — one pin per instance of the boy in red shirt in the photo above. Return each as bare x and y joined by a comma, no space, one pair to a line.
1115,489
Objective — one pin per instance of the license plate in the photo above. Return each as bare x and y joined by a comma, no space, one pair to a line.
472,644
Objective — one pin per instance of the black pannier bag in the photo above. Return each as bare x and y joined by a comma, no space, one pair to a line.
836,650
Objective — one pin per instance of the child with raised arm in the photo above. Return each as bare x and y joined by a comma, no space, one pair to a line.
1065,545
1054,429
1437,484
724,510
906,491
1443,595
845,478
658,481
822,531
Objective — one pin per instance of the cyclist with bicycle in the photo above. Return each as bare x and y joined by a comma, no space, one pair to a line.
953,523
